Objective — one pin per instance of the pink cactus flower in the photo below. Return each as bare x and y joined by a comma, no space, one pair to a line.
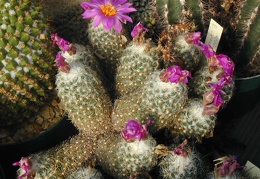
134,130
111,13
138,29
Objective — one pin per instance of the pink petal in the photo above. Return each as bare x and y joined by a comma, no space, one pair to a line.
124,18
108,22
89,13
84,6
117,2
97,21
118,26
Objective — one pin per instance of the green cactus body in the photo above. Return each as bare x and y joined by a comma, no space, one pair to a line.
175,11
163,100
191,122
83,95
157,100
108,46
176,50
60,161
198,85
138,60
178,166
26,61
86,173
128,107
120,158
248,29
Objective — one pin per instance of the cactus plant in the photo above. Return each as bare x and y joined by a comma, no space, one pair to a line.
86,173
130,152
66,18
26,61
106,34
192,122
160,98
177,50
227,167
59,161
181,162
81,90
147,15
139,59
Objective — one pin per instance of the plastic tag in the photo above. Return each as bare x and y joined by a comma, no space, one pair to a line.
252,169
214,34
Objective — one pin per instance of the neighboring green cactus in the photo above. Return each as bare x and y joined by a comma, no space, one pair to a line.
26,61
161,98
120,157
82,92
66,18
139,59
192,123
58,162
248,29
180,162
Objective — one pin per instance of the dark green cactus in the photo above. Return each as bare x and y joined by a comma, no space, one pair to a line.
66,18
26,61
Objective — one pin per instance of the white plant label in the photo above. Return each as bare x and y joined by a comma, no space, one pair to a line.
214,34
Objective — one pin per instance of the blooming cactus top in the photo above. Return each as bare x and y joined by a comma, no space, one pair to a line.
226,166
134,130
175,74
108,12
213,98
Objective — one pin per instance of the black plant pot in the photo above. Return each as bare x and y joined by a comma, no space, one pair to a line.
10,153
238,126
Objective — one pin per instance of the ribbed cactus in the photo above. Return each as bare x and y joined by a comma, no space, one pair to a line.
161,98
139,59
82,92
120,156
26,60
247,31
57,162
180,162
66,18
192,123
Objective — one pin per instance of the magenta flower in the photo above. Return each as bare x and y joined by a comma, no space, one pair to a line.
60,60
175,74
62,44
193,38
138,29
111,13
134,130
227,64
61,63
180,150
228,167
25,164
217,92
207,50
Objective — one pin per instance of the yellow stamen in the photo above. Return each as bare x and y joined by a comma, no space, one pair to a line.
108,9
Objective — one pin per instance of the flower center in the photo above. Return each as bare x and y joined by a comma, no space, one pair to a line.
108,9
